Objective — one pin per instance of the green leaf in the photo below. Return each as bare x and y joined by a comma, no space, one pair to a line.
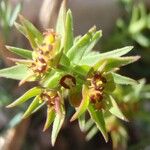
81,121
93,59
31,32
50,118
29,94
95,39
33,106
98,118
119,79
77,51
91,133
116,62
115,110
17,72
21,52
57,124
69,38
21,29
60,25
52,80
65,60
84,104
15,14
89,124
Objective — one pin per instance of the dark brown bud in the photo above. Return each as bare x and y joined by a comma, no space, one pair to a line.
68,81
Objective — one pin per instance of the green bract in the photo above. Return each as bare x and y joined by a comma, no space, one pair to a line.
66,68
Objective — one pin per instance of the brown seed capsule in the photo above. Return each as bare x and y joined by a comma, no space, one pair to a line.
68,81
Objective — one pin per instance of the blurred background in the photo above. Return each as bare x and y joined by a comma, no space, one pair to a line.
123,22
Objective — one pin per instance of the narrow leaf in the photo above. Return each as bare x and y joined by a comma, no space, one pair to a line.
93,42
77,51
93,59
21,52
115,110
84,104
91,133
119,79
116,62
57,124
117,52
98,118
33,106
81,121
52,80
50,118
31,32
17,72
69,38
29,94
15,14
60,25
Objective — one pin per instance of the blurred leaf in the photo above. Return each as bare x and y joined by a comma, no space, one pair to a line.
89,124
69,38
33,106
84,104
141,39
57,124
50,118
115,110
52,80
15,120
15,14
119,79
17,72
21,52
81,121
98,118
29,94
60,25
91,133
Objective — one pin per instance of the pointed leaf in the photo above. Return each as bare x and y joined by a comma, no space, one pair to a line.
81,121
17,72
77,51
21,52
94,41
31,32
15,14
33,106
60,25
89,124
119,79
98,118
21,29
52,80
29,94
93,59
84,104
115,110
57,124
50,118
116,62
68,32
91,133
